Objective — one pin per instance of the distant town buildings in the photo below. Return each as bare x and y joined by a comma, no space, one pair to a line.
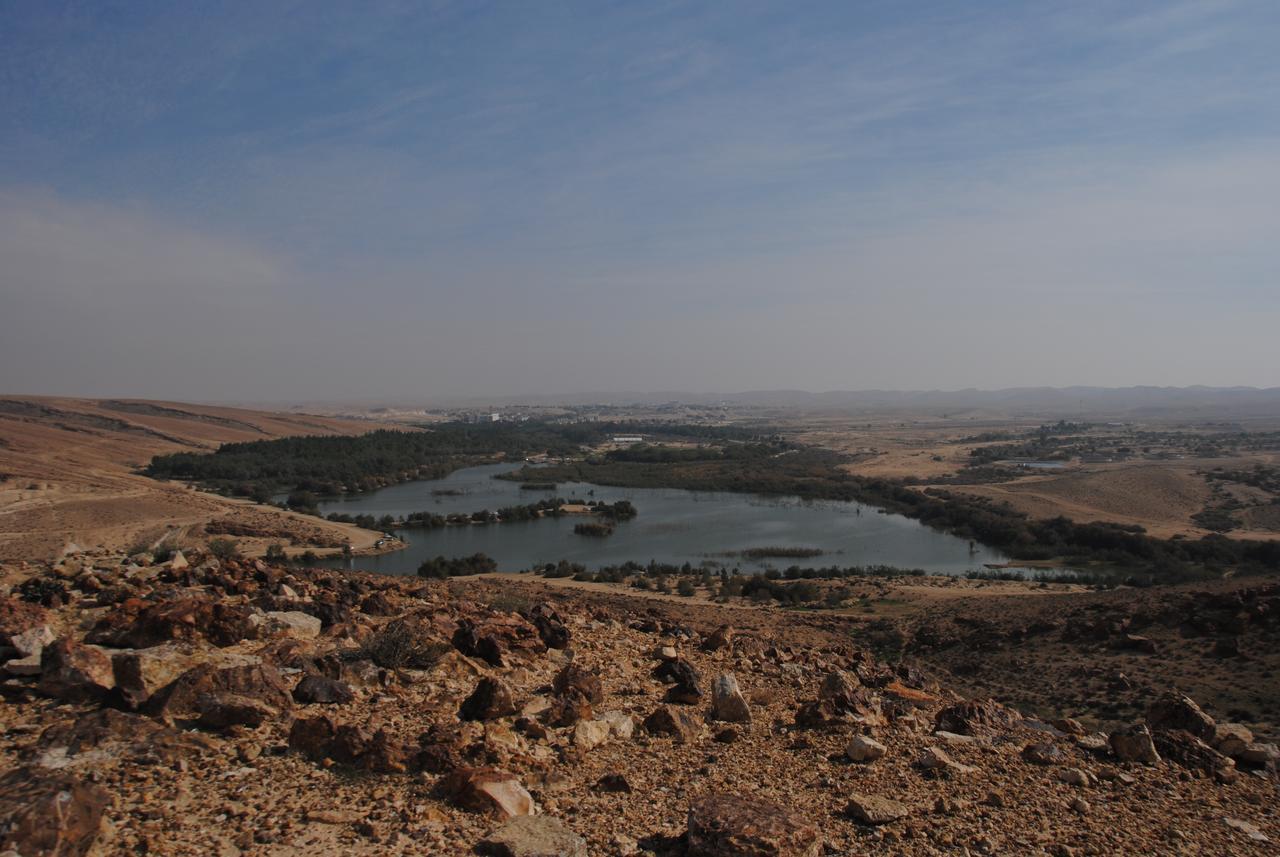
628,438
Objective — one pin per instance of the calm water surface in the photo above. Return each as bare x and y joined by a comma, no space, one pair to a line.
673,526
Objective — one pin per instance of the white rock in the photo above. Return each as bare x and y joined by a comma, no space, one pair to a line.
589,734
621,724
727,702
32,641
864,749
293,624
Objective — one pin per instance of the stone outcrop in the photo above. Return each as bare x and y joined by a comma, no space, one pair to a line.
876,809
675,723
727,825
727,701
1134,744
534,836
74,672
1179,712
488,790
491,699
53,814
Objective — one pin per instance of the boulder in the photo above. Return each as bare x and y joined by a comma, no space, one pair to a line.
575,680
142,673
1073,777
1182,748
312,736
1043,753
488,790
55,814
107,734
1177,711
137,624
976,717
874,809
727,702
589,734
621,724
841,700
224,710
185,699
552,631
32,641
678,672
1260,755
317,689
17,616
1134,744
720,638
673,722
29,645
534,836
727,825
74,672
469,641
864,749
936,762
293,624
566,711
490,700
1232,739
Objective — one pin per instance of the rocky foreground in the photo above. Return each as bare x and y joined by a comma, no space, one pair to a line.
225,708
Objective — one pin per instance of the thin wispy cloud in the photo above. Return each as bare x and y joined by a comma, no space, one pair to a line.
579,176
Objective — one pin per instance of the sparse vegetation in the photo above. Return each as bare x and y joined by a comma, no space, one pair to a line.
442,567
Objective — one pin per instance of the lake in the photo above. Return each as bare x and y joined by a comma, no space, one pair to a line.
673,526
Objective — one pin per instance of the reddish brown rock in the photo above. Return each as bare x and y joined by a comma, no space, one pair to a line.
74,672
673,722
490,700
491,791
224,710
747,826
550,627
313,736
976,717
52,814
875,809
107,733
567,711
727,702
1178,712
575,680
181,701
137,624
720,638
17,616
316,689
1182,748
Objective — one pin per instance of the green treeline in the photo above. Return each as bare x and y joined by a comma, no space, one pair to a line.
331,465
458,566
815,474
622,510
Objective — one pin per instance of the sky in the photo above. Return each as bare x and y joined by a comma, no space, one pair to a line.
299,201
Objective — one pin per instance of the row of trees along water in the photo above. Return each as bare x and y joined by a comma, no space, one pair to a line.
552,507
333,465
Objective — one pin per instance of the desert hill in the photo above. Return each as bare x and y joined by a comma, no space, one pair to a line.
69,473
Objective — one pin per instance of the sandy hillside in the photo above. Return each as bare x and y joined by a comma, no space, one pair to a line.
69,474
1160,497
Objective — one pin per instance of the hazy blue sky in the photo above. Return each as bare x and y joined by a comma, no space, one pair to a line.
300,200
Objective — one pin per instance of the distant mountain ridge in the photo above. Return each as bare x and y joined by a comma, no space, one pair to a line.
1204,402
